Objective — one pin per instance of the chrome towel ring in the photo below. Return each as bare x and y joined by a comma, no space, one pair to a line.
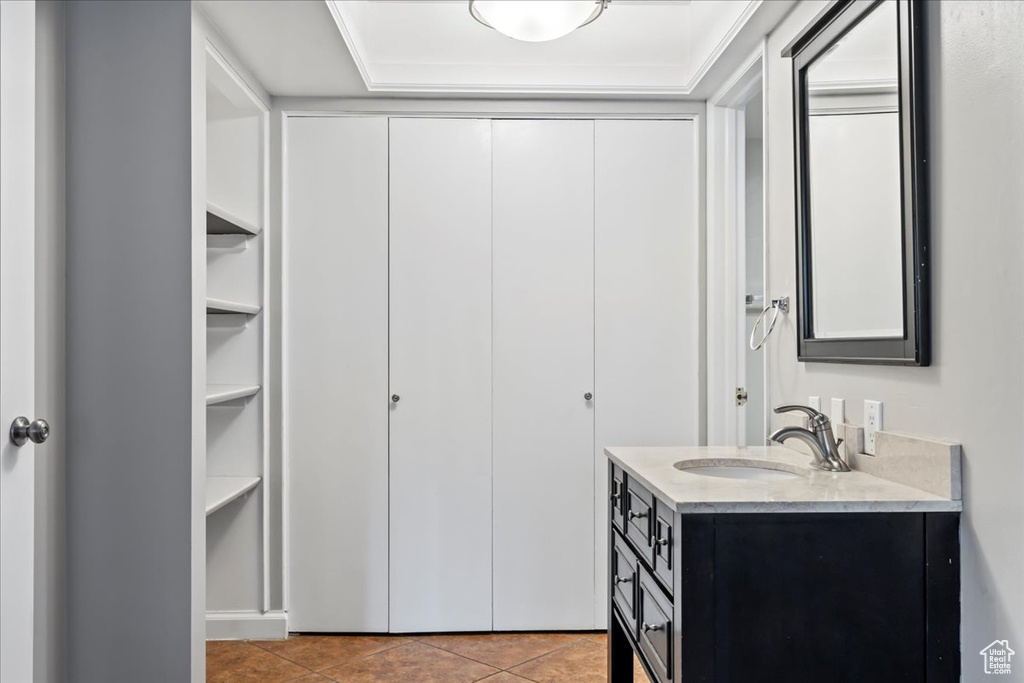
781,304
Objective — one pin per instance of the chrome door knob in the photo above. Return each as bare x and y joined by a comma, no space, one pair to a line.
22,430
395,398
587,396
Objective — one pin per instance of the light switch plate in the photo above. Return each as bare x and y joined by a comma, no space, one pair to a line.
872,424
812,402
838,413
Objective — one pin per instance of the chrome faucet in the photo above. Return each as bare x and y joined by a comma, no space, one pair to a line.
819,438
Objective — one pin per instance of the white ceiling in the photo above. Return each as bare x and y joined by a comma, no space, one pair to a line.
292,46
393,48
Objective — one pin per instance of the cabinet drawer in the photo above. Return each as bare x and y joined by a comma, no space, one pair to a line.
639,515
624,581
654,618
662,543
618,498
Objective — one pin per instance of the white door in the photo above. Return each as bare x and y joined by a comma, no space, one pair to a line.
336,369
17,337
647,297
440,274
543,375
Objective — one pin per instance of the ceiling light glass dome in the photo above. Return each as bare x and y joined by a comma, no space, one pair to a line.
536,21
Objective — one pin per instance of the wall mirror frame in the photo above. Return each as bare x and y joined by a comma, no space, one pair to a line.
909,212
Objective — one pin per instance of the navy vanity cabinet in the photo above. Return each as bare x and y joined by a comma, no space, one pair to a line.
618,498
655,622
639,517
784,596
624,568
661,543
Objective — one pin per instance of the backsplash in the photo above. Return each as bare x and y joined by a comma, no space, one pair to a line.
926,464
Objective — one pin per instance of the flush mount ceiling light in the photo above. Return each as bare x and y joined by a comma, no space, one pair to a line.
536,21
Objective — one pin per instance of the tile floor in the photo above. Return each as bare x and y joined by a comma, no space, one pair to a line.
494,658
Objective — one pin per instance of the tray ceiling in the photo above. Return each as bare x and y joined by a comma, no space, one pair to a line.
635,47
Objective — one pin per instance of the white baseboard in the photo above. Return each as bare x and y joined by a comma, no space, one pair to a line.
246,625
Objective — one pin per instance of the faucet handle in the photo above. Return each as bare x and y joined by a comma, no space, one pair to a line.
816,417
811,412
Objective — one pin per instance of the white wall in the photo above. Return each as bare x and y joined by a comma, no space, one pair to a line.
972,393
50,593
485,108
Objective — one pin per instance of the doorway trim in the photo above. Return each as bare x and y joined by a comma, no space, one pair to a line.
726,227
17,339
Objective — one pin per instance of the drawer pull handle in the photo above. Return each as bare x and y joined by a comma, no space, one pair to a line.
658,541
616,496
636,515
620,579
656,627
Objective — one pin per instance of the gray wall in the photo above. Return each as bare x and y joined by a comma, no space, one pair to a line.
128,341
50,559
973,391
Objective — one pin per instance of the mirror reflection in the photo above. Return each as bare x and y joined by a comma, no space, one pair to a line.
855,200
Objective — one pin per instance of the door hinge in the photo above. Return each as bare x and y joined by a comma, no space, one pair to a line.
741,396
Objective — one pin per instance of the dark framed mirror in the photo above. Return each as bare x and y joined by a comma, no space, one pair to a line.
862,184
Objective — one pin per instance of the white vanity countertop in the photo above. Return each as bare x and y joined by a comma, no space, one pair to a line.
818,491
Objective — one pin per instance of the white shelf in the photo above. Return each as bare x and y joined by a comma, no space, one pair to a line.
221,306
222,490
220,393
220,221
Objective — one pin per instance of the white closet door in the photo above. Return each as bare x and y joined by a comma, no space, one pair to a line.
336,365
543,367
441,370
648,289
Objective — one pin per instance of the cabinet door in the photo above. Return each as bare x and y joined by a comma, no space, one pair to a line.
543,367
336,372
441,373
647,295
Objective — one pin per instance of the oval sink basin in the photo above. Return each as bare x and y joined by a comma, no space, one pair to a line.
740,469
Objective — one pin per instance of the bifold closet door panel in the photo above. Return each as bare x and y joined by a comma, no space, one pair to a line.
543,370
648,296
336,372
440,375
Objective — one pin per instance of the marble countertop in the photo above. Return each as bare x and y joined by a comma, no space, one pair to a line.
816,491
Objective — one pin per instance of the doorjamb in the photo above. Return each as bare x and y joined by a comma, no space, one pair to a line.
17,340
725,246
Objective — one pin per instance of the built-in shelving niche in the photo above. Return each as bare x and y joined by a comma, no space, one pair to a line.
237,497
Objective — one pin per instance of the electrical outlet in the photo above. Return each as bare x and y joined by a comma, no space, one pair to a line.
814,402
872,424
838,413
